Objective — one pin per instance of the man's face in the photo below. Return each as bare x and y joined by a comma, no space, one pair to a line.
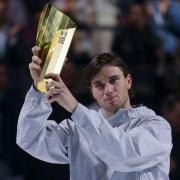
110,89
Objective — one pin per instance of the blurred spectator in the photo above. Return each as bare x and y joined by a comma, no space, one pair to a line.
3,82
170,109
163,15
4,169
136,43
17,15
66,6
124,5
12,45
106,20
81,48
84,13
165,23
134,40
32,8
9,108
3,31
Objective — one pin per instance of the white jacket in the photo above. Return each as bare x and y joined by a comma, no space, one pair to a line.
134,144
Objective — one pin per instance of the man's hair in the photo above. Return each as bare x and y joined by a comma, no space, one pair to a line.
98,62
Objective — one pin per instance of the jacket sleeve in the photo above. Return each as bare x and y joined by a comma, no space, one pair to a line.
42,138
139,148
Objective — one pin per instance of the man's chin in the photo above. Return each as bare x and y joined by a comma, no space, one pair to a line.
113,107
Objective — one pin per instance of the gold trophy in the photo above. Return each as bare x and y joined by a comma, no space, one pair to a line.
54,35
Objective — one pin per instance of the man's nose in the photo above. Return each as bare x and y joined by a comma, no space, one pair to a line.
109,88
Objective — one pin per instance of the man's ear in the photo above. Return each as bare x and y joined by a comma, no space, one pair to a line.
129,81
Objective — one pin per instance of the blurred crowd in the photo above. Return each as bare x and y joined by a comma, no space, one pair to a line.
146,33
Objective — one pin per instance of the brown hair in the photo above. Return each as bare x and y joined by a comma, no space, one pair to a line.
98,62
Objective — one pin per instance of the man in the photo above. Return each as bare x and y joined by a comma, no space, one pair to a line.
117,142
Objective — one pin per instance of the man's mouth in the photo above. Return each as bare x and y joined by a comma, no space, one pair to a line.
111,98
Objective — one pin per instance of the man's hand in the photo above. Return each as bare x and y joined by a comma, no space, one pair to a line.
57,91
35,65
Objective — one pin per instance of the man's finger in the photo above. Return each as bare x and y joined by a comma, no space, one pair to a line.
35,50
53,76
52,84
34,66
36,60
49,97
55,92
50,100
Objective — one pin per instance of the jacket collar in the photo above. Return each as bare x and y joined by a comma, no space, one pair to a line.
124,115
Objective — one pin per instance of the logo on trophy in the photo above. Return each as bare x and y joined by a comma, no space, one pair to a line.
54,35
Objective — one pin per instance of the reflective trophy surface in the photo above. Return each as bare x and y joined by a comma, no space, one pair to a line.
54,35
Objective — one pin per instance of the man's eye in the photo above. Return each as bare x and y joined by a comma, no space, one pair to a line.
113,80
100,86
